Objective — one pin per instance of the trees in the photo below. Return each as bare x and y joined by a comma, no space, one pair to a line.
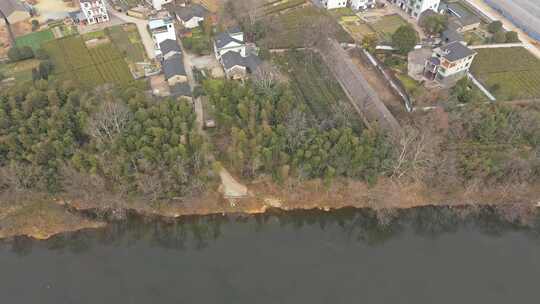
434,24
495,26
405,39
35,25
22,53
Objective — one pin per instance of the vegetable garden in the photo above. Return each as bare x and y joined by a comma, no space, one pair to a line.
509,73
89,67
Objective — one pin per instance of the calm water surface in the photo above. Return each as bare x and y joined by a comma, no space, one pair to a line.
423,256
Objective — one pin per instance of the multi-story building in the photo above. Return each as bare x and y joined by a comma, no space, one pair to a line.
449,62
94,11
416,7
362,4
162,28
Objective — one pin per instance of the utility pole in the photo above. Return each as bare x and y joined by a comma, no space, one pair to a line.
8,26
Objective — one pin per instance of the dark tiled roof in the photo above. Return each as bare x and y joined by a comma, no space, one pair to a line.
187,12
232,59
451,35
465,17
181,89
434,60
174,66
169,45
8,7
455,51
223,39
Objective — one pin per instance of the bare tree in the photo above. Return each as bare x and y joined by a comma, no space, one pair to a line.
266,76
110,120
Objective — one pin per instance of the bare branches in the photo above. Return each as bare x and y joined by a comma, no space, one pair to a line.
110,120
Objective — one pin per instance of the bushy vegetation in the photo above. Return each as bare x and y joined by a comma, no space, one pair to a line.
271,133
54,137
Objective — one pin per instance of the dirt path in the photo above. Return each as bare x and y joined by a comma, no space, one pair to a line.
229,186
528,42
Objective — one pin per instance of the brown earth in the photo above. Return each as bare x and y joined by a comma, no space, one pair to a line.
19,29
46,218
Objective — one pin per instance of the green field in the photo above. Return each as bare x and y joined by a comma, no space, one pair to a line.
89,67
387,25
291,32
277,6
509,73
35,39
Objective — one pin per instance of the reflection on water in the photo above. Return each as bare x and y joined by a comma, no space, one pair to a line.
198,232
425,255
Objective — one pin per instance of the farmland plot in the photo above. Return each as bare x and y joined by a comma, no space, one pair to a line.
510,73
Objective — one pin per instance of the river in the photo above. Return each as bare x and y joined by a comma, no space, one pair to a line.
423,255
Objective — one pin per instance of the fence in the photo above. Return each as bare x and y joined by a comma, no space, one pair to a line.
362,96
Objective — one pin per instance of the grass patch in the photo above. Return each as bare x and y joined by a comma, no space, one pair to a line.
34,40
509,73
387,25
198,43
94,35
21,70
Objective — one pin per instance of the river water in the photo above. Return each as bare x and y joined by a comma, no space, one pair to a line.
421,256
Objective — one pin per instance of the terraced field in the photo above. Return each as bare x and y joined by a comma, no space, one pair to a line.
509,73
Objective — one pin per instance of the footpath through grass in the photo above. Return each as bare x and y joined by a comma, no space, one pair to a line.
509,73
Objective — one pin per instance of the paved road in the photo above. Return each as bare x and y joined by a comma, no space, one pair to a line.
197,103
142,26
494,15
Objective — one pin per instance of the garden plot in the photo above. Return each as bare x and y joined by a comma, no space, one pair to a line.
509,73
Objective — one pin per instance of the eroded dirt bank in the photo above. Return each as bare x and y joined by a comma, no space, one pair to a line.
41,216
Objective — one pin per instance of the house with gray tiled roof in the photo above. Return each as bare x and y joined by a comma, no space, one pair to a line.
234,55
189,15
449,63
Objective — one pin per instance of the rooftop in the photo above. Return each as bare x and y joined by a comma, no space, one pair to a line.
223,39
187,12
174,66
455,51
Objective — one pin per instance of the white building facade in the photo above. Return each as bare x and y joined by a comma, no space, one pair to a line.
161,30
332,4
94,11
158,4
362,4
416,7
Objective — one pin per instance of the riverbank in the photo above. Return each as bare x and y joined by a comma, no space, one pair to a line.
40,216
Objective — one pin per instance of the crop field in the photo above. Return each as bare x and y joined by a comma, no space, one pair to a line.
315,86
509,73
387,25
89,67
356,28
35,39
290,33
127,40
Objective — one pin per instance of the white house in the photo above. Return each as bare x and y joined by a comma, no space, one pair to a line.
157,4
230,41
332,4
190,16
161,28
362,4
449,62
416,7
94,11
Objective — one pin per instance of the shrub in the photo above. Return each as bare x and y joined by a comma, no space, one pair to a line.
405,39
495,26
35,25
20,53
512,37
499,37
41,54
